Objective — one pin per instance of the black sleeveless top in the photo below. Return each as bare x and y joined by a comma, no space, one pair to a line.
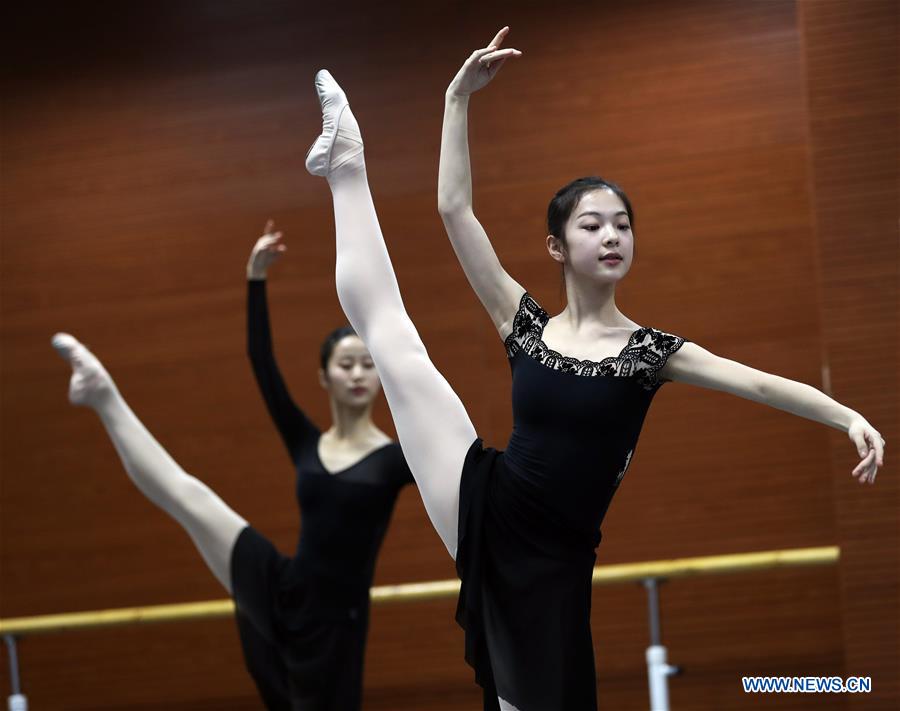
530,516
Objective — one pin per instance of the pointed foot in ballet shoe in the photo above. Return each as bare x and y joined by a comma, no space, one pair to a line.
90,383
331,96
64,344
340,140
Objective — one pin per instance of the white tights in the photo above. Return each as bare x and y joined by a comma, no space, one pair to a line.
434,430
210,523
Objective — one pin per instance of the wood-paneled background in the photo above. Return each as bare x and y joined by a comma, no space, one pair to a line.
144,145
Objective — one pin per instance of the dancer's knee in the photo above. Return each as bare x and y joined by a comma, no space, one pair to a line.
193,498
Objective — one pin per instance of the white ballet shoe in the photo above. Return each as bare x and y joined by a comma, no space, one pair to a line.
90,382
340,140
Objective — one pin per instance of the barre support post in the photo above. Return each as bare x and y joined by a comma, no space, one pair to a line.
16,701
658,668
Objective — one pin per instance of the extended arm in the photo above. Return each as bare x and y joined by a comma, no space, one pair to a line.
292,424
697,366
498,292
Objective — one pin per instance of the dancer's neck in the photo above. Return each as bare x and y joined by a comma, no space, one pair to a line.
352,424
590,305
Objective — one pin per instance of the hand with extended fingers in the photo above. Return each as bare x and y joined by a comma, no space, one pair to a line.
482,66
870,447
265,252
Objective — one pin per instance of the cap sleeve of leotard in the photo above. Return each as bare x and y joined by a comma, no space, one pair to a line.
655,348
528,325
402,474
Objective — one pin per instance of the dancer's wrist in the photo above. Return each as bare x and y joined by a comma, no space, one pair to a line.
453,96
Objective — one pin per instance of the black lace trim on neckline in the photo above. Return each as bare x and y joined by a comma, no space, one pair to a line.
642,357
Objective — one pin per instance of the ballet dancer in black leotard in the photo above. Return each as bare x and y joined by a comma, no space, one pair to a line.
302,619
523,524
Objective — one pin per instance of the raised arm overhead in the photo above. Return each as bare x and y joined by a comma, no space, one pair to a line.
499,293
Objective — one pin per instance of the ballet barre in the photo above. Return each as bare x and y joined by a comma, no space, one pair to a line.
433,590
649,573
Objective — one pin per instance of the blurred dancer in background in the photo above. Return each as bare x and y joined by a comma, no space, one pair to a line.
302,619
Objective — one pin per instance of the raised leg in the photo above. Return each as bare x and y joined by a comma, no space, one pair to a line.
210,523
434,429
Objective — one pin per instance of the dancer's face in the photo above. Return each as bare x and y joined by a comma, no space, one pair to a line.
351,378
597,227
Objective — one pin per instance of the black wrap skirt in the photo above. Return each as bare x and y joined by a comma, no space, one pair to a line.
525,600
304,651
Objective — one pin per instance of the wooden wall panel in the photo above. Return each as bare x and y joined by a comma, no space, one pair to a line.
144,146
851,58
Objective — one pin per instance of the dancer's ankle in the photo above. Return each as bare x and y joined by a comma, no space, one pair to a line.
350,169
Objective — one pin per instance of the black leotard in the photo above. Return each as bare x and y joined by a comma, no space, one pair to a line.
303,619
530,516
